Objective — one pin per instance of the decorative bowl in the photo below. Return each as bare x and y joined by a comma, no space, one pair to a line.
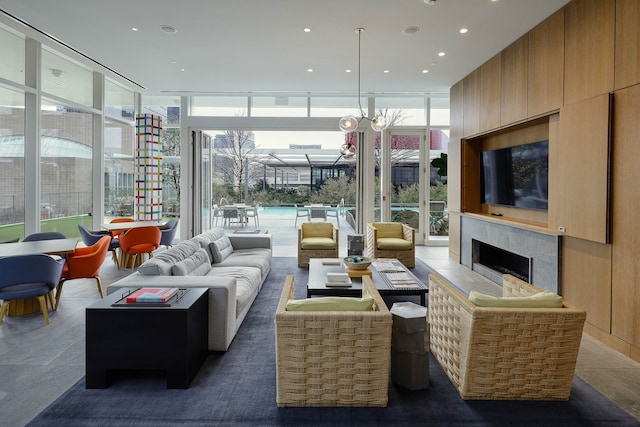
357,262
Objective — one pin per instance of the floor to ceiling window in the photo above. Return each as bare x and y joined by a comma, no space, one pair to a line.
119,137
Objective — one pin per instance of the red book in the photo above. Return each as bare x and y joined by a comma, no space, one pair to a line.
152,295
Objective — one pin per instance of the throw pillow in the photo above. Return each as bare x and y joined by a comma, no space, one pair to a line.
544,299
331,304
196,265
221,249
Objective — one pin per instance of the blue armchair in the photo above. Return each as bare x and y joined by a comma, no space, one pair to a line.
169,233
29,276
47,235
91,237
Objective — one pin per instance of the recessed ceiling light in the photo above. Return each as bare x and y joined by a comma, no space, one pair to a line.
410,30
430,2
441,53
425,71
463,30
310,70
307,30
173,61
134,29
347,71
386,71
181,69
168,29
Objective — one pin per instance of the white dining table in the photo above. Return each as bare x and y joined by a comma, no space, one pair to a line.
49,247
120,226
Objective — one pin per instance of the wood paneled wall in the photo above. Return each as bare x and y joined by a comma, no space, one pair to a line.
574,60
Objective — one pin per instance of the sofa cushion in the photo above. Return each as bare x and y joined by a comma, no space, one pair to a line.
161,263
309,243
544,299
196,265
220,249
248,282
388,229
331,304
208,237
394,244
258,257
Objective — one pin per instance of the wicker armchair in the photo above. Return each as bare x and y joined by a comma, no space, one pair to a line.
392,240
504,353
332,358
317,240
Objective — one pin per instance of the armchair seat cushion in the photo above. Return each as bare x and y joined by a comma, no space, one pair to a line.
394,244
311,243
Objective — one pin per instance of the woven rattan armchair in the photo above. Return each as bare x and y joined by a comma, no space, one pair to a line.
392,240
330,358
317,240
504,353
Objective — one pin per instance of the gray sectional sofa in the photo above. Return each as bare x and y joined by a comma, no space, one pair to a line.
233,267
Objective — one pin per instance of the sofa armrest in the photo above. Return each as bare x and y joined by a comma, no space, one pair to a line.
243,241
222,301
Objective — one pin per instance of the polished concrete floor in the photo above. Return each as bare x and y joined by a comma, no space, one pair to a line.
39,362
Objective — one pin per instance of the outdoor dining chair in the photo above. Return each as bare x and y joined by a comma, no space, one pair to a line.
334,213
301,213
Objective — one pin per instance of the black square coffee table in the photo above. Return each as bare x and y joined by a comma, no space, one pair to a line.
319,267
145,337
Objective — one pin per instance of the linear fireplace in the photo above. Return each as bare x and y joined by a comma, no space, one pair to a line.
499,261
540,249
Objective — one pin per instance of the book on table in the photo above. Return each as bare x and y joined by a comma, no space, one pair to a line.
152,295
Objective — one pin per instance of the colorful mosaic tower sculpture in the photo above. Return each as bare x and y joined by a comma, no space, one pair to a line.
148,174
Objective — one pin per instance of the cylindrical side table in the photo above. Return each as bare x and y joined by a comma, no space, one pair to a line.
410,346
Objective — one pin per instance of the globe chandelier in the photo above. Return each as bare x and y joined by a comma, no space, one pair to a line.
350,123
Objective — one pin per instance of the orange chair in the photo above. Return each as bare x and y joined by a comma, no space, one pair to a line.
84,263
140,240
115,220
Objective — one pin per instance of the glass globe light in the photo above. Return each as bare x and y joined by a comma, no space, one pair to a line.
379,123
348,150
348,124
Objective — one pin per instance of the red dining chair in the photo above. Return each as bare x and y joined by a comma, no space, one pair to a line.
116,233
85,263
139,241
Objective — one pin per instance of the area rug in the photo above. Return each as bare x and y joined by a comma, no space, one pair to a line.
238,387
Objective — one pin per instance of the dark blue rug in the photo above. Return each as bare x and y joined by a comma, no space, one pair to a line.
239,388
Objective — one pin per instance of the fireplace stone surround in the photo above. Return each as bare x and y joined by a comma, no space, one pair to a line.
542,249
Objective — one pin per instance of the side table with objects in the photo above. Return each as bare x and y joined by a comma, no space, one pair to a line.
170,335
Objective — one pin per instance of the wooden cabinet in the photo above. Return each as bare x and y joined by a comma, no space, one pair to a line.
588,49
490,79
546,65
581,170
513,100
456,129
627,62
586,279
626,220
471,108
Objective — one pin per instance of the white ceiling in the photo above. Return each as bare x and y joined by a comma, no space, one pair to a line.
259,45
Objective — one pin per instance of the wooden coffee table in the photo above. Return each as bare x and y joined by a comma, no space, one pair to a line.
319,267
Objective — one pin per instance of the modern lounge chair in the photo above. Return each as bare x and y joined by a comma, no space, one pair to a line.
392,240
85,263
317,240
139,241
169,233
29,276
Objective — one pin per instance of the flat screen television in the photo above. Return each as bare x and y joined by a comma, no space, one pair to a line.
516,176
